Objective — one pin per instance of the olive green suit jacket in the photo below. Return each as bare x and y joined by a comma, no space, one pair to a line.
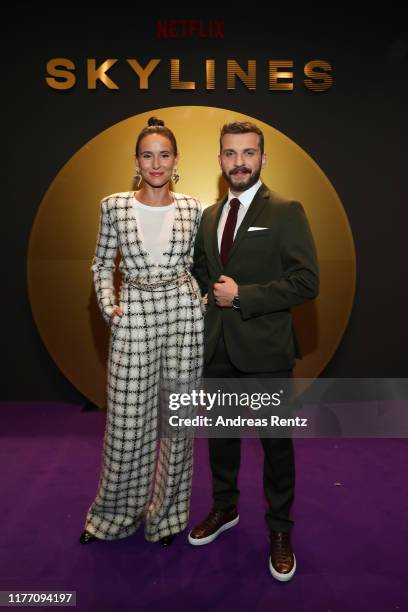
275,268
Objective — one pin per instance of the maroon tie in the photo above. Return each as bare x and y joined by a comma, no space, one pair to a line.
229,229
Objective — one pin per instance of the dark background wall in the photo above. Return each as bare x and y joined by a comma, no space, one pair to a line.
356,132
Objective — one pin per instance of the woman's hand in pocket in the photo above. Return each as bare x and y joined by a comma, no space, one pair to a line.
116,311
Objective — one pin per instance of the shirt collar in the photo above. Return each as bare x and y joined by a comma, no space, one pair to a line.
245,197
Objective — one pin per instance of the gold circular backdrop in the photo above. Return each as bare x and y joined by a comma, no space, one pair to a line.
63,237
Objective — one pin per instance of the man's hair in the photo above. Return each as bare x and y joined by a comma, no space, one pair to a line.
242,127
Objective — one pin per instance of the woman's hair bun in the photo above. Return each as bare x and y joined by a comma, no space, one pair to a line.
155,121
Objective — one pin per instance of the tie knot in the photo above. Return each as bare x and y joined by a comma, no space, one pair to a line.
234,203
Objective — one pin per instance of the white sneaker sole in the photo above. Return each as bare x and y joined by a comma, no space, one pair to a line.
282,577
213,536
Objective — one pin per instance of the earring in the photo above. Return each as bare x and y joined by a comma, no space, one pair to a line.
138,178
175,176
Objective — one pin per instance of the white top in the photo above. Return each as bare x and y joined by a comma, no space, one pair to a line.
245,198
155,225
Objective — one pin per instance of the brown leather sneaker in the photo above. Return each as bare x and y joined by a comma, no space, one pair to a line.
282,561
211,527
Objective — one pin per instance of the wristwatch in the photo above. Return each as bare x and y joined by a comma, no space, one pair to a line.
236,303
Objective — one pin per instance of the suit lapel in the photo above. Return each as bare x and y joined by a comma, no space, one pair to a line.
253,211
213,231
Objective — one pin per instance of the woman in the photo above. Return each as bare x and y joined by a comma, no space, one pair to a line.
156,340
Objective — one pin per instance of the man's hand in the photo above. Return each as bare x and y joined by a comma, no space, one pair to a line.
224,291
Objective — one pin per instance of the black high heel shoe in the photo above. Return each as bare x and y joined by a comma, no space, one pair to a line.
167,540
87,537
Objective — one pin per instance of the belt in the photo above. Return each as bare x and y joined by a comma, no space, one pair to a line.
133,281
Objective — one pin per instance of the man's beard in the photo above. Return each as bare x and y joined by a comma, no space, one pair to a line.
244,184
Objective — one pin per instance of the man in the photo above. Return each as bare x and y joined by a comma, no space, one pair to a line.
256,258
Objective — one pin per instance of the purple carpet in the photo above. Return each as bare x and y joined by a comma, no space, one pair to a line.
350,535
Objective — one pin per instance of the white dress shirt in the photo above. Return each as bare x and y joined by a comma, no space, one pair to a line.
245,198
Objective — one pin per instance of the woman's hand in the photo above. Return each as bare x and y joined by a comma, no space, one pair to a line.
116,311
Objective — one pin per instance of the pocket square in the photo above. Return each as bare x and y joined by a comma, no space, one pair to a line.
254,229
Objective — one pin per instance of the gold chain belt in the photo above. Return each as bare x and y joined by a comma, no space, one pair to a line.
183,278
